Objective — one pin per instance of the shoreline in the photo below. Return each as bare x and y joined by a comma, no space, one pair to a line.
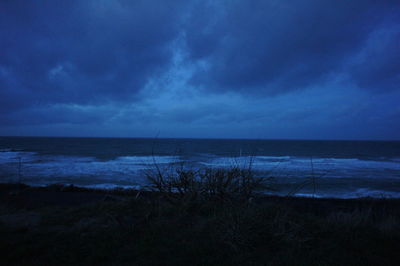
58,194
133,189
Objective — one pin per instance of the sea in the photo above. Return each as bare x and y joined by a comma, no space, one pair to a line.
310,168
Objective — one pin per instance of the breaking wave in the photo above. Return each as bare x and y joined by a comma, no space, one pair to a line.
129,171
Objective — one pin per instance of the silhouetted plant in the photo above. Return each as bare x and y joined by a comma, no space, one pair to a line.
207,183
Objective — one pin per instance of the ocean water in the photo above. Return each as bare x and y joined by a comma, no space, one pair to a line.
342,169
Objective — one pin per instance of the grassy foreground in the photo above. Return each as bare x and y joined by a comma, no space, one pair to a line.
71,226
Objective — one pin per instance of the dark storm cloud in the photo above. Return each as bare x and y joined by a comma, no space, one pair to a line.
275,46
82,51
88,51
379,65
227,65
59,114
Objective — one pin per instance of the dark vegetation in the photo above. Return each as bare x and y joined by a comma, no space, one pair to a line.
207,217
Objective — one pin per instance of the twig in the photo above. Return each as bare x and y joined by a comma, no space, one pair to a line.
312,176
19,170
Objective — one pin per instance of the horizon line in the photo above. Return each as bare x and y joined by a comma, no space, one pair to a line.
197,138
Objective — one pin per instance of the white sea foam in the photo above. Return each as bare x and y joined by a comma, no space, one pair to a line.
112,186
360,193
149,160
308,195
128,171
9,156
367,192
337,167
341,194
77,170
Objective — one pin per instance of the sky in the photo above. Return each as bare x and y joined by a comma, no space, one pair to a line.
274,69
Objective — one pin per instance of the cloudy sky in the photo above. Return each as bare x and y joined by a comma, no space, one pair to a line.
288,69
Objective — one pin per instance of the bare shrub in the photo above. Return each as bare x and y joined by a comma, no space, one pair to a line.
206,183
